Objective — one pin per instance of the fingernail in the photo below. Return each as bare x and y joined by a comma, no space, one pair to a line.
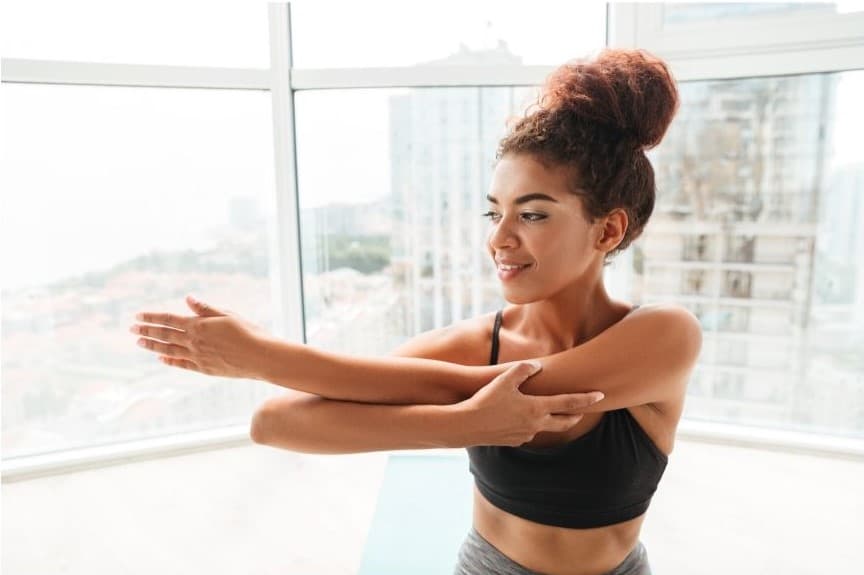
535,366
598,396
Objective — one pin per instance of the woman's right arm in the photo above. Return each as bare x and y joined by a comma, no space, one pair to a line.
309,423
498,414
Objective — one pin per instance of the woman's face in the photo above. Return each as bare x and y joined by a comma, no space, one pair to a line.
538,237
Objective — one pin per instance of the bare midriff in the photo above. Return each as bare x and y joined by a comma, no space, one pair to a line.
555,550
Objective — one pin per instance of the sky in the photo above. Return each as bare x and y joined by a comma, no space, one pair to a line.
93,175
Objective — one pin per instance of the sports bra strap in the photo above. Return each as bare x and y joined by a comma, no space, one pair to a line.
493,358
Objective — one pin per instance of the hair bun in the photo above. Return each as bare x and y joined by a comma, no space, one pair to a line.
629,91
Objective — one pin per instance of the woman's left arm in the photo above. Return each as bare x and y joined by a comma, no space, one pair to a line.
645,358
368,379
222,344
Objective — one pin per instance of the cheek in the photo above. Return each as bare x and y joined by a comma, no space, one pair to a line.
563,254
488,244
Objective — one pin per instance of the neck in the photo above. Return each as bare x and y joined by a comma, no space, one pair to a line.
571,317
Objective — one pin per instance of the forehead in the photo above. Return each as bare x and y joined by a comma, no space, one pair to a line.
519,174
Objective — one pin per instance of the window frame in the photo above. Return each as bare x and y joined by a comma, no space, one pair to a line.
834,43
741,49
628,25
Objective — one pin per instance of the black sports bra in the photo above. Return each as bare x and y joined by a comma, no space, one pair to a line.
606,476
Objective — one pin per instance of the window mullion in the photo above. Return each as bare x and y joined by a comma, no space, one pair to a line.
286,263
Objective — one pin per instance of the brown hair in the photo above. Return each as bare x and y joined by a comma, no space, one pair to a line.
598,117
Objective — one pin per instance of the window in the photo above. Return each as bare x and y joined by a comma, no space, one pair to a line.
117,200
446,32
225,34
391,201
684,29
765,246
686,13
756,228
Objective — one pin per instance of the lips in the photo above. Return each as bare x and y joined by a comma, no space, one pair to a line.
508,270
511,267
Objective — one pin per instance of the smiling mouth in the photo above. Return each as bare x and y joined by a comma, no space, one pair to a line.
508,268
508,272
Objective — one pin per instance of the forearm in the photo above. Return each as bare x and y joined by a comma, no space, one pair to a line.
387,380
314,424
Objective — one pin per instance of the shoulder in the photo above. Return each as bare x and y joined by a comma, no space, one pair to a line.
645,358
674,324
466,342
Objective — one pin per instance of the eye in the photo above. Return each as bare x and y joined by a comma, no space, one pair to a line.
532,217
492,216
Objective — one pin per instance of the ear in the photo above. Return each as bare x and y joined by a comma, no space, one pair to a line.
612,230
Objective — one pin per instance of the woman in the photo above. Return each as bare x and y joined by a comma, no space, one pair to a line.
572,187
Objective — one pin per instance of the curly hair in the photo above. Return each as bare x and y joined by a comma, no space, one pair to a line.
598,117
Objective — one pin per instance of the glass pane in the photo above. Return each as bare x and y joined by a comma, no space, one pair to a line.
117,200
196,33
685,13
758,230
448,32
391,200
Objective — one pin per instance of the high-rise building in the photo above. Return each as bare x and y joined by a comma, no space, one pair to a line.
732,237
443,144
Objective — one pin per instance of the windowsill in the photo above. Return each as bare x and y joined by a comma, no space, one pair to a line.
31,467
72,460
772,439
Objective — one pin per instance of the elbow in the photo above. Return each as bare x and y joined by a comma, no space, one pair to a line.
258,427
283,422
267,418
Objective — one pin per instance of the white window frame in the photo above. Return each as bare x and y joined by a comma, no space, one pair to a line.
627,25
285,265
756,47
768,45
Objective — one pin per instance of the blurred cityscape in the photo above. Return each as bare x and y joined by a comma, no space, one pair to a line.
761,240
753,230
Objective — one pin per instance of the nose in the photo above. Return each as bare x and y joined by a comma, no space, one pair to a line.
502,235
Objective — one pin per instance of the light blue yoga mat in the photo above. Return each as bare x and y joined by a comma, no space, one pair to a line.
422,516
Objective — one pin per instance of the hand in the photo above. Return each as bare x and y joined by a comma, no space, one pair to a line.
500,414
212,342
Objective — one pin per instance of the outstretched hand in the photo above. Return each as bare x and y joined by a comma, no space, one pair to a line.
213,341
503,415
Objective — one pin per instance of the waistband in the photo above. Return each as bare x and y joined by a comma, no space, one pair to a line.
479,557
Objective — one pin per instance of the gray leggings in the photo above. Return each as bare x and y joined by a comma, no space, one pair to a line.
479,557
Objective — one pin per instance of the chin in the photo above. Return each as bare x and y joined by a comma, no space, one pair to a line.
518,298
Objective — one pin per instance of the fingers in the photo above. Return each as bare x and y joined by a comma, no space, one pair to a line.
517,373
177,362
561,422
168,319
202,308
171,350
168,334
571,402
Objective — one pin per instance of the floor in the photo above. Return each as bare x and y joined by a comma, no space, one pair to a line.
253,509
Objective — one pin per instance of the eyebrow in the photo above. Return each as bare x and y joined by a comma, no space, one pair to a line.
526,198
